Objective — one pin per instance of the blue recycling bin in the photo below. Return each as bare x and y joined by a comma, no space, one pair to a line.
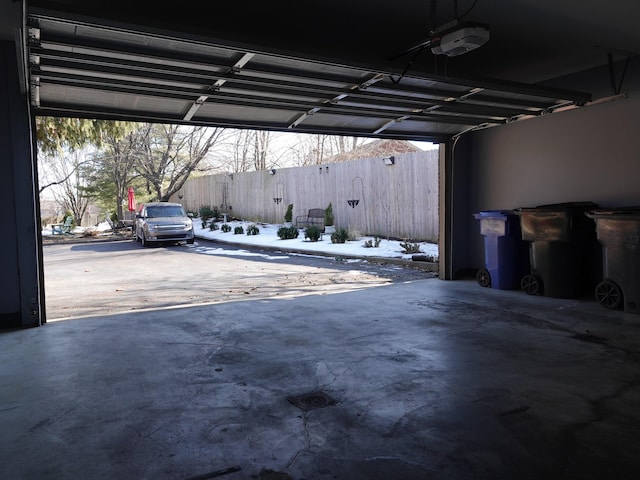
506,254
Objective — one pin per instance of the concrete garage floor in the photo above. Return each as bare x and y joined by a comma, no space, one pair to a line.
430,379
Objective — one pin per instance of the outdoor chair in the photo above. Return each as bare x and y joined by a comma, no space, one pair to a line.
315,216
116,227
63,228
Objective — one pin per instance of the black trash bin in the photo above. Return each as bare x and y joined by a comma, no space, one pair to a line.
618,231
506,255
564,252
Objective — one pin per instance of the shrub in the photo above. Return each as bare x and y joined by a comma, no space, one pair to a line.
375,243
287,233
410,247
213,226
253,230
288,216
225,227
206,213
328,215
239,230
313,233
341,235
90,232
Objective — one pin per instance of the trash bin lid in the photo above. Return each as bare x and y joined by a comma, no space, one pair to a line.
493,213
555,207
618,212
566,208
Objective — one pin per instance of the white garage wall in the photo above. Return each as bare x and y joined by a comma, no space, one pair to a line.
592,153
586,154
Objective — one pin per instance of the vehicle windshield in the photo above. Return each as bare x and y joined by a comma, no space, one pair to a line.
165,211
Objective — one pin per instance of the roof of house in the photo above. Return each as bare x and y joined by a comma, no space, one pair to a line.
376,148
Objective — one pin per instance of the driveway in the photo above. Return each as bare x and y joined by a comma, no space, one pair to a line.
100,278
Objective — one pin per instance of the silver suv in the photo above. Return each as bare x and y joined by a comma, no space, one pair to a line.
163,222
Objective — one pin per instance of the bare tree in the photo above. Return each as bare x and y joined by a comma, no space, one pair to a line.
116,166
71,195
50,170
239,152
170,153
247,150
261,149
320,149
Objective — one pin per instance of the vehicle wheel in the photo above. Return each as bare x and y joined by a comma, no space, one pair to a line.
135,233
530,284
143,241
609,295
190,241
483,277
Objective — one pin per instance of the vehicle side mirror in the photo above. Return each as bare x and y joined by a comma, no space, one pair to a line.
190,215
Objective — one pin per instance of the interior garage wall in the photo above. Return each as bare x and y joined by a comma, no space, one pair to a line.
21,296
583,154
10,293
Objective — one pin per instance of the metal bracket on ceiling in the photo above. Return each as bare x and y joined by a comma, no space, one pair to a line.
297,121
464,96
366,84
32,40
558,106
235,68
195,107
470,93
337,98
461,98
333,101
301,117
390,123
34,88
216,86
232,70
33,36
481,126
239,65
615,86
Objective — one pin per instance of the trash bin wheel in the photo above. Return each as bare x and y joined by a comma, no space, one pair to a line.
483,277
530,284
609,294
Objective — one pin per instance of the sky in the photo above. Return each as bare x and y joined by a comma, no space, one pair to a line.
268,237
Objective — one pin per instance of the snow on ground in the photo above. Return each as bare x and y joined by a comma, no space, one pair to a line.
268,237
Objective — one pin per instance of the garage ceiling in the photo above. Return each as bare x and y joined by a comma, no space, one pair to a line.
315,67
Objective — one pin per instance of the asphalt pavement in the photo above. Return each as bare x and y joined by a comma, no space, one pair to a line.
85,277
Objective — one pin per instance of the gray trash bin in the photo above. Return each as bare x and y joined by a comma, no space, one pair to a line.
618,231
565,256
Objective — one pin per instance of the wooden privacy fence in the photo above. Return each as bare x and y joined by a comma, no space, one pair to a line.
372,196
